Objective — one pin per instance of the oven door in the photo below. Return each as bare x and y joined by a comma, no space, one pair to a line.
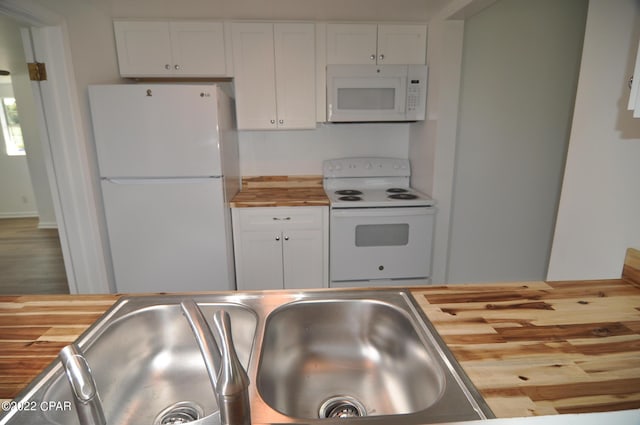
381,243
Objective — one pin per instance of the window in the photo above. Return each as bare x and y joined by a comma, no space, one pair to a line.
11,129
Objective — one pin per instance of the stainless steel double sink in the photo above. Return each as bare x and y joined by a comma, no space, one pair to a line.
313,357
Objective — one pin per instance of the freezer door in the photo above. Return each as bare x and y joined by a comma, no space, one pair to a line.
169,235
155,130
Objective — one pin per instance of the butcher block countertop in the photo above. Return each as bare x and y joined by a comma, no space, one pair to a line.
531,348
280,191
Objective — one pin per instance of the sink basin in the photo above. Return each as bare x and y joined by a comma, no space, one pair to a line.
146,364
342,358
368,350
312,357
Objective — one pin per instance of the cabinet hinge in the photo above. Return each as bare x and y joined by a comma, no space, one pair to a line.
37,71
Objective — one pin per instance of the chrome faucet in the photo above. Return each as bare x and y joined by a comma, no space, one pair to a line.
228,378
85,392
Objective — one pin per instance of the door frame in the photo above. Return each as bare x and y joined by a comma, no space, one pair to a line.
64,145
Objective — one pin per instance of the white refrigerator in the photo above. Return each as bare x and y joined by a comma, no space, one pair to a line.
168,163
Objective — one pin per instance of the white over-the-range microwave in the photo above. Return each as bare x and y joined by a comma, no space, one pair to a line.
376,93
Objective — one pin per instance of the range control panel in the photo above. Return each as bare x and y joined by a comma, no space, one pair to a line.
366,167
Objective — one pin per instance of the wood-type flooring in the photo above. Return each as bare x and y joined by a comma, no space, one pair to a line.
30,259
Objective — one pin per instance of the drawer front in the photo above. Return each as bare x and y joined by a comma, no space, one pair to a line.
280,218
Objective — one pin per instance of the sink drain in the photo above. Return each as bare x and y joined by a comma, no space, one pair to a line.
180,413
341,407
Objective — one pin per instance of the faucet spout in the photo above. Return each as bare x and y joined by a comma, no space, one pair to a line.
228,378
85,392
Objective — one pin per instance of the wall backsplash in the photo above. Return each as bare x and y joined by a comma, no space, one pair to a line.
301,152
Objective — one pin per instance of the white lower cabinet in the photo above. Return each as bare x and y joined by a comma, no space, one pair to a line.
281,247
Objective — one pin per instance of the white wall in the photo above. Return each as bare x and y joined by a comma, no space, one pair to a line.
599,213
302,152
432,145
519,73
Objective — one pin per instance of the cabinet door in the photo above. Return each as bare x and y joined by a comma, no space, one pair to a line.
402,44
351,43
144,48
254,67
198,48
303,259
259,261
294,48
278,247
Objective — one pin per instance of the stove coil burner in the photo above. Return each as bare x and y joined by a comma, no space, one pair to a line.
396,190
348,192
403,196
350,198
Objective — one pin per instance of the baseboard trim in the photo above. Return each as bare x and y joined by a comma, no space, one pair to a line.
41,224
47,225
25,214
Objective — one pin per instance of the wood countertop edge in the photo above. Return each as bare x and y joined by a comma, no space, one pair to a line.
280,191
271,202
631,267
279,197
531,348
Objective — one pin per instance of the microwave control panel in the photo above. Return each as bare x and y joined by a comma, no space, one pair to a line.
416,91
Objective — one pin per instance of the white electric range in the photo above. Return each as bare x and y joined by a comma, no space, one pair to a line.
381,229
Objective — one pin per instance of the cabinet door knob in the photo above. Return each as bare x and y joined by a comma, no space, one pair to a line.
381,57
281,121
286,238
167,66
277,238
272,121
177,67
372,57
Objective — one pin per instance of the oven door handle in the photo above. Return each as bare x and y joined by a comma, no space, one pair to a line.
382,212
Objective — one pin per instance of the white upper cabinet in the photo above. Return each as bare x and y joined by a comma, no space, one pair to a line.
402,44
295,75
254,65
376,44
352,43
172,49
274,75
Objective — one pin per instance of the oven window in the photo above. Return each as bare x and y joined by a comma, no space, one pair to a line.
367,98
382,234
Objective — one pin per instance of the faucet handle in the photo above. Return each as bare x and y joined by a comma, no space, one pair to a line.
233,382
232,378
